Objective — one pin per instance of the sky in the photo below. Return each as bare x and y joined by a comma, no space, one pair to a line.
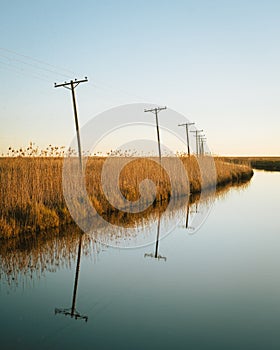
215,62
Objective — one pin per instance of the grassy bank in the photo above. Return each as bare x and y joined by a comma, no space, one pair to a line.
31,197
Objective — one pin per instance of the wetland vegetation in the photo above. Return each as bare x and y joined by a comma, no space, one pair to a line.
31,194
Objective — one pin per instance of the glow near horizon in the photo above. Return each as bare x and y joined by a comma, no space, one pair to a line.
216,61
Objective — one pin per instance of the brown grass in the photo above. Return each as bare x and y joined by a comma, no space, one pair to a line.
31,198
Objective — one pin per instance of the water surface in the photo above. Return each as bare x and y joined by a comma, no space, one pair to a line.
216,288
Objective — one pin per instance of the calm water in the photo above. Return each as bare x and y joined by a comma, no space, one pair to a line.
218,288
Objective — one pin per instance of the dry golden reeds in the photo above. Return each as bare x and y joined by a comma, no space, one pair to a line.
31,195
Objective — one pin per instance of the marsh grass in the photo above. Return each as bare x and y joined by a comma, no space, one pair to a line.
31,195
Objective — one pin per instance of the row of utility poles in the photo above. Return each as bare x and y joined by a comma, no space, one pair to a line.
199,138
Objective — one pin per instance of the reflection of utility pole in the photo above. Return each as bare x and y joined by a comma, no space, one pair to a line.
72,312
196,208
187,216
156,255
187,132
155,111
196,139
73,85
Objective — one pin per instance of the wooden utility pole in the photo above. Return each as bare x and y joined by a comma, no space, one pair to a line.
187,133
199,144
202,140
155,111
71,86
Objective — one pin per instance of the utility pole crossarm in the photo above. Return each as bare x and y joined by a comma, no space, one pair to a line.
186,124
77,82
155,110
196,131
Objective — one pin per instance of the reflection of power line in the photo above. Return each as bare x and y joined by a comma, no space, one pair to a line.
155,111
73,85
187,133
72,312
156,255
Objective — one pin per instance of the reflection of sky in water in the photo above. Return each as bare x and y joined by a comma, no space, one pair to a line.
218,289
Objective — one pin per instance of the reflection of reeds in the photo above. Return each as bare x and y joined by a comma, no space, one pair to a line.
23,258
31,197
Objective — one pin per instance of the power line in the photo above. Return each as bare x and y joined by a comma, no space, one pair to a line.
106,86
22,71
32,65
37,60
26,60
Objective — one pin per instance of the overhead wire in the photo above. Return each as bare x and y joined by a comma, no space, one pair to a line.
32,65
36,60
41,65
17,70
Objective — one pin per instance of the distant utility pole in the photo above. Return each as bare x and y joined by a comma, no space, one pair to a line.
196,139
155,111
202,141
187,132
200,137
71,86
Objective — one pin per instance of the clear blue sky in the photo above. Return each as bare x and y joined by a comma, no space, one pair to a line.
216,61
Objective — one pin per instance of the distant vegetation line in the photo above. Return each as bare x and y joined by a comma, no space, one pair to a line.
257,162
31,196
